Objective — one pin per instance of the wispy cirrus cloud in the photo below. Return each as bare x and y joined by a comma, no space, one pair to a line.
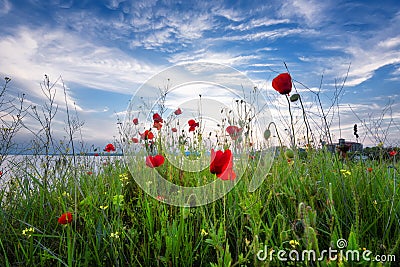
60,53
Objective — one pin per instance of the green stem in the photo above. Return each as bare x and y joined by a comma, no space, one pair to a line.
305,121
292,138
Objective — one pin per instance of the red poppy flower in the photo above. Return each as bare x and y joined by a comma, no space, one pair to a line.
282,83
136,121
222,164
160,198
109,148
65,218
193,124
393,153
89,173
174,130
234,132
135,140
178,111
155,161
147,135
157,118
157,125
369,169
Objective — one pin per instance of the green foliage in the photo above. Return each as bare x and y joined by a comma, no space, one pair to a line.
302,205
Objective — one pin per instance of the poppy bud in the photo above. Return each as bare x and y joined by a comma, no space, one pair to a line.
294,97
267,134
289,154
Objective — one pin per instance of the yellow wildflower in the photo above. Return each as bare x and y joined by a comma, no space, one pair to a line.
294,243
28,231
345,172
203,232
115,235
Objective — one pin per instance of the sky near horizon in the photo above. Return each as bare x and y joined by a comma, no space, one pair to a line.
105,50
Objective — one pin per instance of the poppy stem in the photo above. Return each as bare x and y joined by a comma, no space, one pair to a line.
292,137
305,121
277,133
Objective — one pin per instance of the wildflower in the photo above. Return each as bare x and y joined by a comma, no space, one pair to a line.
160,198
282,83
246,241
174,130
345,173
115,235
96,154
290,161
393,153
375,202
103,207
109,148
203,232
222,164
135,140
157,118
89,173
135,121
124,177
193,124
1,173
294,243
65,218
157,125
234,131
178,111
118,200
147,135
28,231
369,169
154,161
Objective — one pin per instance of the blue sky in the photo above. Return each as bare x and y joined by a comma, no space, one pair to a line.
104,50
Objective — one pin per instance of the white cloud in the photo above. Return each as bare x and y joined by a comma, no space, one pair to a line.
30,53
203,55
78,61
5,7
365,60
390,42
179,29
228,13
260,22
311,12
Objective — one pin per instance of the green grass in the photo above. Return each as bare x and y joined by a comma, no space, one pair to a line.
115,223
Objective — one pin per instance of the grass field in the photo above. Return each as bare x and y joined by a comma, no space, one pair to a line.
305,204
